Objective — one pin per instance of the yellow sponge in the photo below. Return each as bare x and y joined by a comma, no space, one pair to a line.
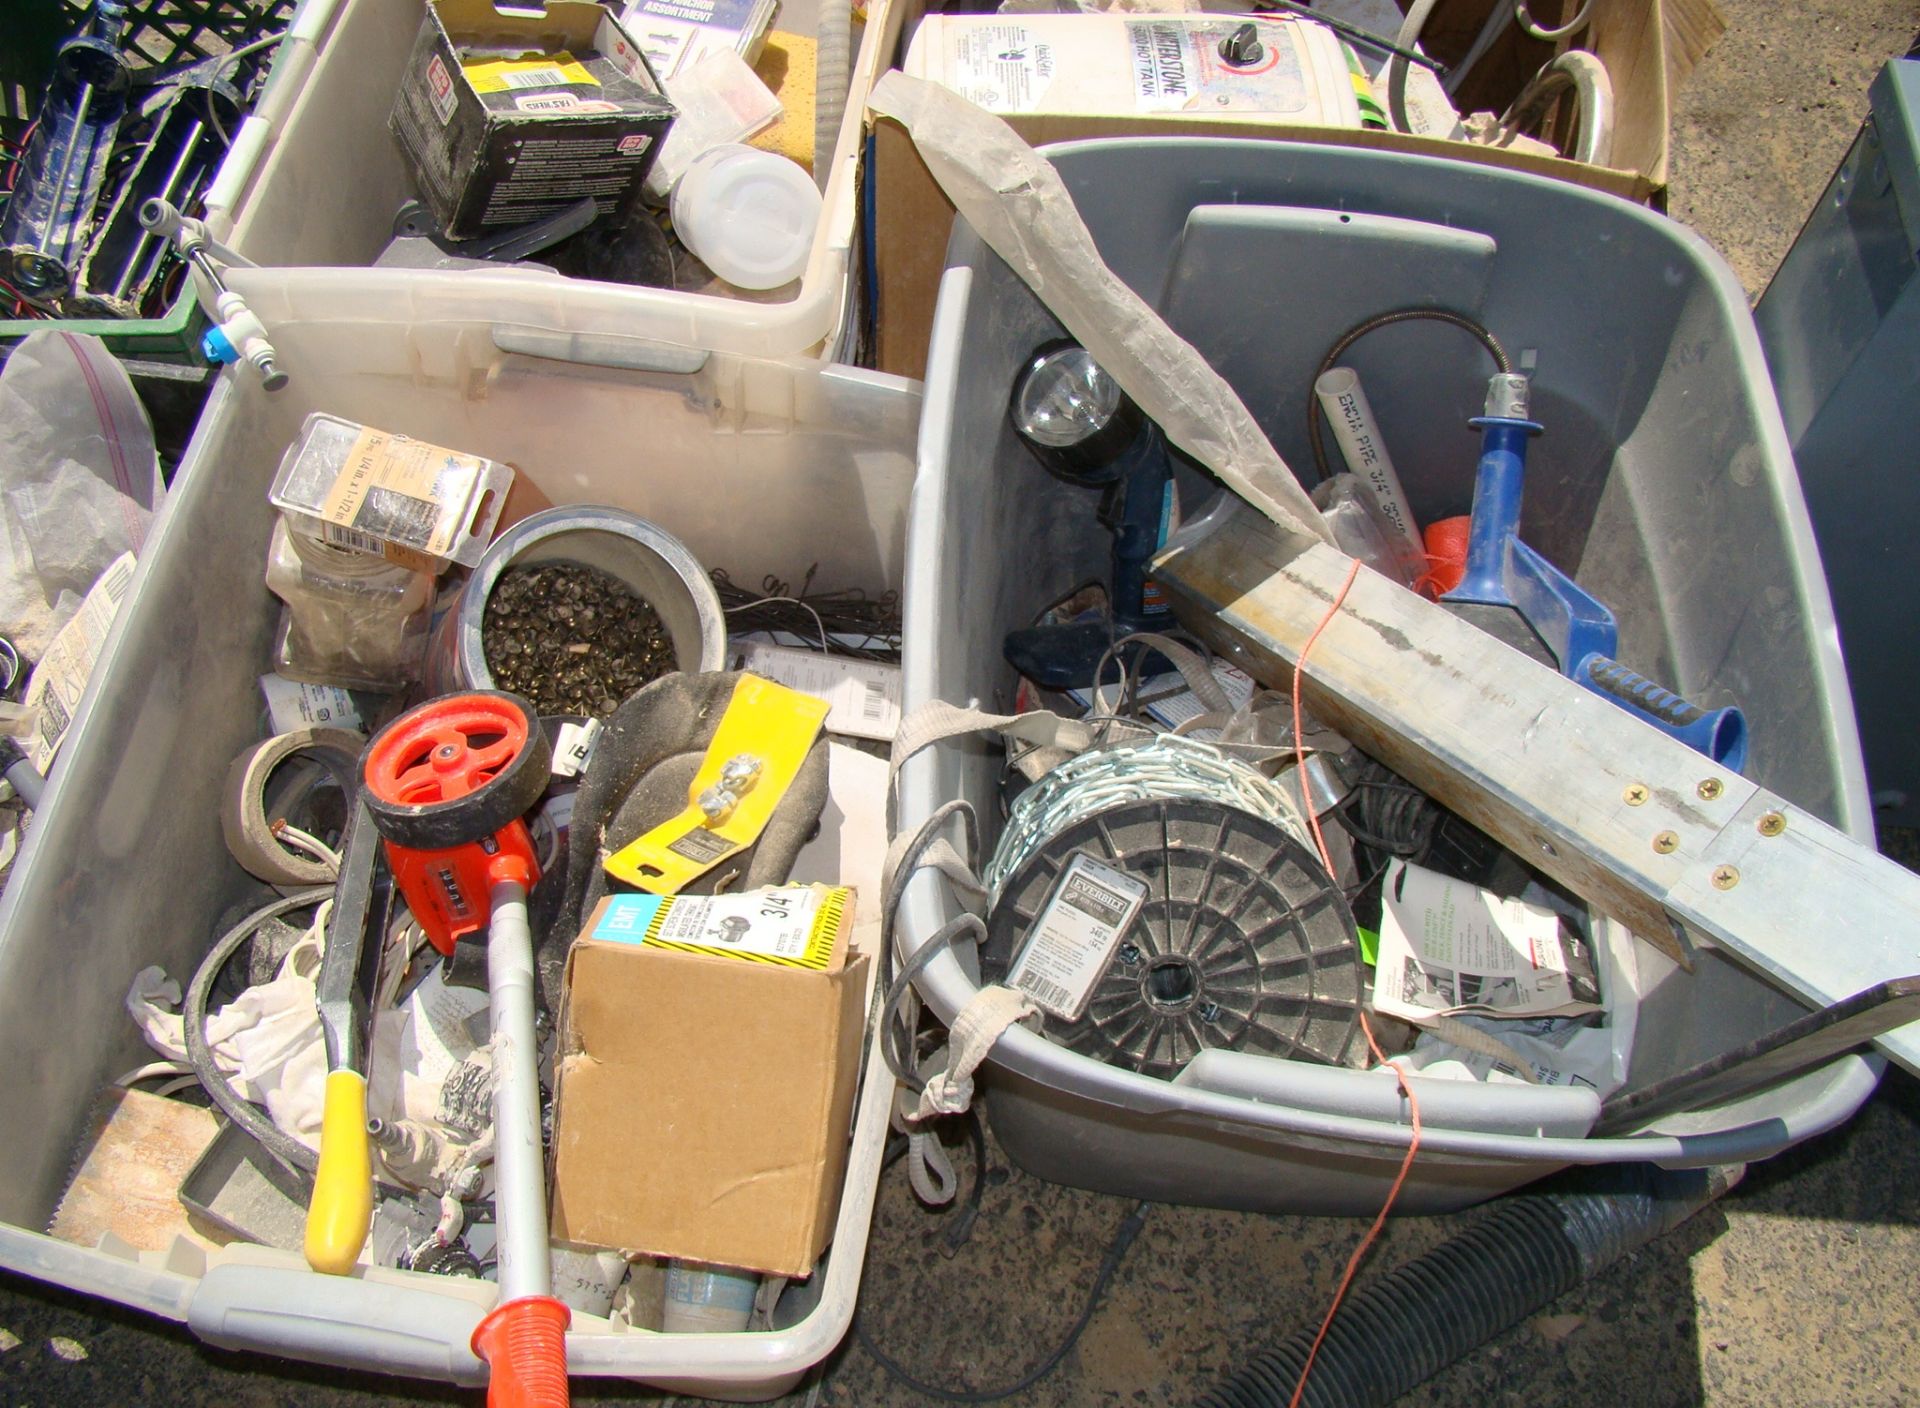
788,65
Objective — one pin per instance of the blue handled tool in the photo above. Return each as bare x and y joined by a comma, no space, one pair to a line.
1517,595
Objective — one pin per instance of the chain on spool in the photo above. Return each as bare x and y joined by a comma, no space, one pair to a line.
1243,942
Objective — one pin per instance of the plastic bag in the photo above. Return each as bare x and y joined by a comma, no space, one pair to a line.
1357,527
79,480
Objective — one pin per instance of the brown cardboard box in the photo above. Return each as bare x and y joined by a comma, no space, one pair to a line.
703,1103
1648,46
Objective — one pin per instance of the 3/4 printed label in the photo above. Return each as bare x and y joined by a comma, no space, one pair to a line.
1072,941
794,926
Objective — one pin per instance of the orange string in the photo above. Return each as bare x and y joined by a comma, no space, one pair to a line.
1406,1089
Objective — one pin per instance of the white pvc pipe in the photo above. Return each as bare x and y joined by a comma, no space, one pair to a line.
1365,450
520,1178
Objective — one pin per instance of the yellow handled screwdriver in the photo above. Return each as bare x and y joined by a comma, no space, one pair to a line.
341,1209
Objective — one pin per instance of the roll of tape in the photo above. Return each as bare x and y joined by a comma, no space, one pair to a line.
243,805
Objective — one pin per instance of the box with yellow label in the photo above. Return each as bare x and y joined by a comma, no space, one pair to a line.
709,1048
508,116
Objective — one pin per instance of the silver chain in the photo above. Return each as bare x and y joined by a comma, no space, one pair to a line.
1165,767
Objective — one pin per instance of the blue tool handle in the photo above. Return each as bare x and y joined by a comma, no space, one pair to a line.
1721,734
1141,527
1497,487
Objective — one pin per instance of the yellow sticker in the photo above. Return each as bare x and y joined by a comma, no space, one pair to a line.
756,753
559,70
785,926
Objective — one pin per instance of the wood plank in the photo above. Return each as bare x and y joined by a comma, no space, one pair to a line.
137,1150
1551,770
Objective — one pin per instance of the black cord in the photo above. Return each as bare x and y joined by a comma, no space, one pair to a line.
1123,1239
830,618
1389,815
1316,436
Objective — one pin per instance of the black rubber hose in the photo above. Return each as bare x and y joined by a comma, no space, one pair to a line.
296,1157
1397,1332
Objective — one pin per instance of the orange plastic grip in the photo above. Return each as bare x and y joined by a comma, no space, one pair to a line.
525,1345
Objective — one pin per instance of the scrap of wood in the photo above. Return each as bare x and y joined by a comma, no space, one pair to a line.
136,1153
1684,853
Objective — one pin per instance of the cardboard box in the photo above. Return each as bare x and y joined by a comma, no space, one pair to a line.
704,1097
1648,46
505,117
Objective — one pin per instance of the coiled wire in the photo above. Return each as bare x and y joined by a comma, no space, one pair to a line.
1166,767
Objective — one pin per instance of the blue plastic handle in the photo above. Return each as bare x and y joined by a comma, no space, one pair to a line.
1721,734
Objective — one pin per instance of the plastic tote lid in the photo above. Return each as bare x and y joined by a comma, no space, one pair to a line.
749,215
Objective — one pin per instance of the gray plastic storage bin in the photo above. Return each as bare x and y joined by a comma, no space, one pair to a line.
758,466
1663,481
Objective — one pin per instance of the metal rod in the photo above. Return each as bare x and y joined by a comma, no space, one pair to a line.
520,1194
167,194
66,169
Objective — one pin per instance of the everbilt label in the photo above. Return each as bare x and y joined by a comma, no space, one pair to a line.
1097,900
1160,61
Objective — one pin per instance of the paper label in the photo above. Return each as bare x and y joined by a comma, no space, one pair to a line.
395,491
294,704
572,746
559,70
677,34
440,89
1177,68
1072,941
61,676
862,696
558,809
561,102
1450,947
1002,67
793,926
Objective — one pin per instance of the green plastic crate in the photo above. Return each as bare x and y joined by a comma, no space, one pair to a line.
159,34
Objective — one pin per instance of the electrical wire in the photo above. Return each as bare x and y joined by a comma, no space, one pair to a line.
1373,1232
1123,1239
1497,20
848,622
1366,38
1316,435
1397,67
297,1157
1366,1028
1523,17
1299,732
221,64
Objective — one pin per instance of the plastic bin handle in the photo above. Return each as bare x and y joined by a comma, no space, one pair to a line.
347,1321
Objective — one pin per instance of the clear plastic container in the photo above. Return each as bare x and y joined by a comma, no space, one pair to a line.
749,215
351,619
415,503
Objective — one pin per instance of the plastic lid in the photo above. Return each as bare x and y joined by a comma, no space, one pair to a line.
749,215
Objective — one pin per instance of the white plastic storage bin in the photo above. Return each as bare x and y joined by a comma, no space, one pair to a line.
1663,480
315,197
759,467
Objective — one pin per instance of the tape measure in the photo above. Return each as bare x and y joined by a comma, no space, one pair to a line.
448,783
